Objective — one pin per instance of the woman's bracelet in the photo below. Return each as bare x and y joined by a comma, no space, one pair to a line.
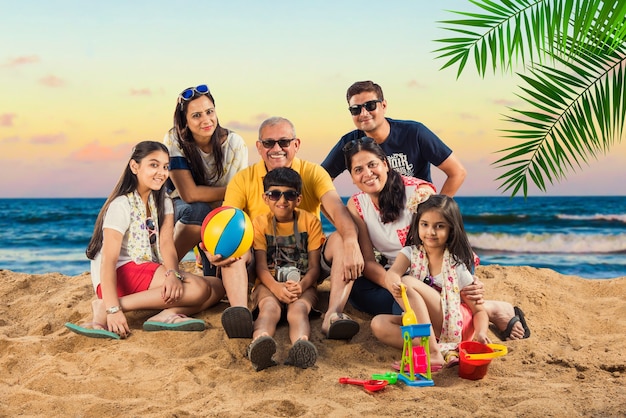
176,274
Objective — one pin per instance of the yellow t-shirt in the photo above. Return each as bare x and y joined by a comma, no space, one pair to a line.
245,190
288,253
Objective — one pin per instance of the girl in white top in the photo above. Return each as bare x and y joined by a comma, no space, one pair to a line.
134,264
435,265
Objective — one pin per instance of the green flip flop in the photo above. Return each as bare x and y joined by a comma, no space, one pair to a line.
190,324
92,332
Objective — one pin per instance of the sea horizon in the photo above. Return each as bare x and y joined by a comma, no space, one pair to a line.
346,196
564,233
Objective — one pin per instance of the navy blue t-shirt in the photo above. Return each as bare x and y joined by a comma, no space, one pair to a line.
410,147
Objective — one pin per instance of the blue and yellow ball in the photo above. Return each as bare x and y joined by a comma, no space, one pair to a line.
227,231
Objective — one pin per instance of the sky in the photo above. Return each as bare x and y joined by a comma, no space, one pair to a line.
81,82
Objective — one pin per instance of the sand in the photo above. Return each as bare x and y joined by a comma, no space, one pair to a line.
574,363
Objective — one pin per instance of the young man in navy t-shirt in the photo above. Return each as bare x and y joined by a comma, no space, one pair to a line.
410,146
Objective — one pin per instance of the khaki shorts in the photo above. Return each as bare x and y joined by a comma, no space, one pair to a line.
261,292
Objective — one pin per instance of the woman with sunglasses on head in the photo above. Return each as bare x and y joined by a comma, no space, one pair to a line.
204,157
134,263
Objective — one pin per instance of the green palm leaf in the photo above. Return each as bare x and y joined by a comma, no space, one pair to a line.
580,112
515,31
578,101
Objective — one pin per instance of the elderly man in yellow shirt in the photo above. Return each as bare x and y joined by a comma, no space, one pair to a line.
277,145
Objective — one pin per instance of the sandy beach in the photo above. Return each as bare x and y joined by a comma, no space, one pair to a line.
574,363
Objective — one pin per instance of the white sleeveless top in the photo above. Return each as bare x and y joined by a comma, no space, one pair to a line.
387,238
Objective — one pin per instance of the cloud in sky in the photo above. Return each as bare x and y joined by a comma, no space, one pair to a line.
70,179
11,140
141,92
23,60
48,139
470,116
94,152
248,127
6,119
414,84
52,81
260,117
504,102
242,126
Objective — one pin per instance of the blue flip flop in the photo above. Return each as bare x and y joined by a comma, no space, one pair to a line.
190,324
91,332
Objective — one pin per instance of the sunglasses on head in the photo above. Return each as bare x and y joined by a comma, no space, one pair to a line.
188,94
370,106
355,142
151,230
274,195
269,143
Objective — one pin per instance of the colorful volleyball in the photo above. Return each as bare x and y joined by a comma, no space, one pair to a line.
227,231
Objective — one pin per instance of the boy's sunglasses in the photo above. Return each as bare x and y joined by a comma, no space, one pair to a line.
369,106
151,230
274,195
269,143
188,94
355,142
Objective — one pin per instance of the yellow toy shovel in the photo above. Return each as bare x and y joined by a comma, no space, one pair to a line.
409,317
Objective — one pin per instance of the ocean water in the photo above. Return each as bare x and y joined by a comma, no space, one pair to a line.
582,236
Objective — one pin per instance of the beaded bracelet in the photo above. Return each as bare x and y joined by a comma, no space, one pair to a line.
176,274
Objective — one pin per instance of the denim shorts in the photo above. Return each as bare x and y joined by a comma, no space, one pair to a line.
190,213
367,296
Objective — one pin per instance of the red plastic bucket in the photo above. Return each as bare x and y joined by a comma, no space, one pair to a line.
474,358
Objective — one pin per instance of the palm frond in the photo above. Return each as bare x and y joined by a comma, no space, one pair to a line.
580,111
516,31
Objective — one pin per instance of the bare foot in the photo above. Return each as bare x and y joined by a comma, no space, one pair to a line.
436,359
451,358
99,312
169,316
261,334
326,322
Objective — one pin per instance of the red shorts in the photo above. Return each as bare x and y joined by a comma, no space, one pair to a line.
133,278
468,323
